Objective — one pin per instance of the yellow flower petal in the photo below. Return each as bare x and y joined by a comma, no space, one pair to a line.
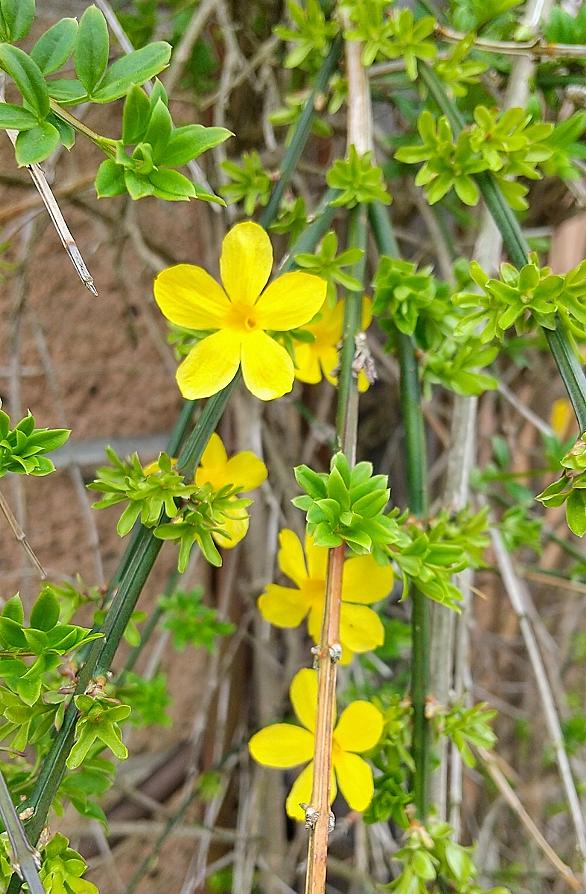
359,728
363,383
290,301
317,559
301,793
281,745
307,367
210,365
236,528
291,559
329,360
561,417
215,453
355,780
246,262
245,470
283,606
266,366
366,319
188,296
361,628
365,581
314,620
303,695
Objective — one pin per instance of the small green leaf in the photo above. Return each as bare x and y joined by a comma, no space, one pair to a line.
67,91
189,142
45,611
36,144
18,16
15,117
135,68
55,46
159,131
576,512
13,609
172,185
27,76
93,48
110,180
135,116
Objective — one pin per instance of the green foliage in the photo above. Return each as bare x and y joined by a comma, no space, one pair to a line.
23,448
358,179
466,727
292,218
250,183
346,506
81,787
523,299
456,71
148,699
98,726
16,18
161,499
325,262
311,34
457,364
519,530
430,855
402,291
151,148
509,144
191,622
391,35
289,114
563,27
392,758
62,869
570,488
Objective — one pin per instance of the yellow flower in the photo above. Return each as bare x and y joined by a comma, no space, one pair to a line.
320,358
561,418
364,582
241,312
244,470
284,745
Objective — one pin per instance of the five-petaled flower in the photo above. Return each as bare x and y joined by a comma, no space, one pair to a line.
363,582
320,358
285,745
241,313
244,471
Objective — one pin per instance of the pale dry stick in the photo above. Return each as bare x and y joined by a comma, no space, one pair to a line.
249,808
73,468
108,858
21,536
514,802
515,591
534,49
525,411
185,46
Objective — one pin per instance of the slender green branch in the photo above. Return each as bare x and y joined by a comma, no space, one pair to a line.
302,131
411,411
26,859
559,341
104,143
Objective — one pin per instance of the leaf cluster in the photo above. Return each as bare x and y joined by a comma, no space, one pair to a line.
310,35
249,182
327,263
467,726
359,180
346,506
192,622
570,488
98,726
152,148
394,34
23,448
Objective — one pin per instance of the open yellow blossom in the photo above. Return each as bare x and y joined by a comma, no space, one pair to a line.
241,313
364,582
320,358
285,745
244,471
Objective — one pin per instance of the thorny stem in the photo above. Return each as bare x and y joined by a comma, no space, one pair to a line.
359,129
560,343
415,450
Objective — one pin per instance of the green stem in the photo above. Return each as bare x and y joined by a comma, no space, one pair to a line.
347,408
559,341
412,414
104,143
302,131
24,856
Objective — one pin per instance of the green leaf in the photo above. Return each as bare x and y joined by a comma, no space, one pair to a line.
135,116
27,76
576,512
159,131
93,48
110,180
15,117
18,16
189,142
67,91
13,609
172,185
36,144
45,612
55,46
135,68
67,134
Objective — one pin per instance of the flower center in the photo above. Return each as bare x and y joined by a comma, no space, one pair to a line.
315,589
243,317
